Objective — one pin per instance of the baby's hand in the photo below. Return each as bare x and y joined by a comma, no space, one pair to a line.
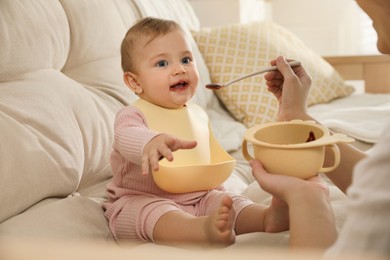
162,146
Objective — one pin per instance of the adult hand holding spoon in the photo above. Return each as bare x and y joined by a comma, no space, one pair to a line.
216,86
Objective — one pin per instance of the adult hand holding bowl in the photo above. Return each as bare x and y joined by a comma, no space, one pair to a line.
295,148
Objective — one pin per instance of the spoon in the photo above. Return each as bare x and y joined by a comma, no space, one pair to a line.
216,86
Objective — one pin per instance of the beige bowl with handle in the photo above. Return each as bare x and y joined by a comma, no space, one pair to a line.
288,148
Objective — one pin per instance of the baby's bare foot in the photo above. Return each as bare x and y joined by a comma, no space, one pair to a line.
219,225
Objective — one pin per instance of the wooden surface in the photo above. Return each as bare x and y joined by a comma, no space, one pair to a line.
373,69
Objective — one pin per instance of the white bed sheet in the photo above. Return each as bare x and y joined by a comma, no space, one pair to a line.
362,116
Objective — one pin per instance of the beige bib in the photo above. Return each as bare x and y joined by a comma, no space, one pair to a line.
188,123
204,167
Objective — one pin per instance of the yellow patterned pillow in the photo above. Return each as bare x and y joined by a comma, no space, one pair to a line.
233,50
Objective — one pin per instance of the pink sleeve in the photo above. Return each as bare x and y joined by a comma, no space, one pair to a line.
131,133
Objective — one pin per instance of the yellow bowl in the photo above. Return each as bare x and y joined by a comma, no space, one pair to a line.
285,147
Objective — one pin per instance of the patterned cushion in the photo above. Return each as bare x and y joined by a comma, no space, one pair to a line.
233,50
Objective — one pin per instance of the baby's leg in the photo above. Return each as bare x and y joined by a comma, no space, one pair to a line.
178,227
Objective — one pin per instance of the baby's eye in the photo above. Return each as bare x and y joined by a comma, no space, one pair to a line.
162,63
186,60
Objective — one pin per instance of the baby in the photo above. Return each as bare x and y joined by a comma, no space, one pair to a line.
160,69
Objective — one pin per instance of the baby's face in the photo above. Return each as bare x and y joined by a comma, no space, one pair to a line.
166,70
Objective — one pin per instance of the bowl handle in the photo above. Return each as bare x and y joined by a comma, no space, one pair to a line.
245,152
336,152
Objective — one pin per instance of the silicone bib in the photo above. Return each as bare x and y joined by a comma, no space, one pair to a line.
188,123
202,168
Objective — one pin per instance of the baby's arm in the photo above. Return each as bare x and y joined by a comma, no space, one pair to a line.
131,134
141,145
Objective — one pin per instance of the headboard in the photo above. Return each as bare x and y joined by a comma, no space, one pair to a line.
373,69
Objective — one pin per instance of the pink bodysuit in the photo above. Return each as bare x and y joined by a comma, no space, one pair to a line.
135,202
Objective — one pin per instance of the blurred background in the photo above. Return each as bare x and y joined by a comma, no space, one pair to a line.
329,27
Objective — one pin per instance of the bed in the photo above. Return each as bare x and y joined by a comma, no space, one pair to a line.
363,114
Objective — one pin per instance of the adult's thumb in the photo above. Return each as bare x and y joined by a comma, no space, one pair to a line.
284,67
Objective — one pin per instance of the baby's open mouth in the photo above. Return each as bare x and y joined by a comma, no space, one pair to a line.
179,86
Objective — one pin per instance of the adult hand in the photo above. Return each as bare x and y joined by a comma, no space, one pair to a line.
162,146
287,188
291,87
310,213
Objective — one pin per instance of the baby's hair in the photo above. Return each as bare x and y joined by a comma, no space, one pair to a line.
150,27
